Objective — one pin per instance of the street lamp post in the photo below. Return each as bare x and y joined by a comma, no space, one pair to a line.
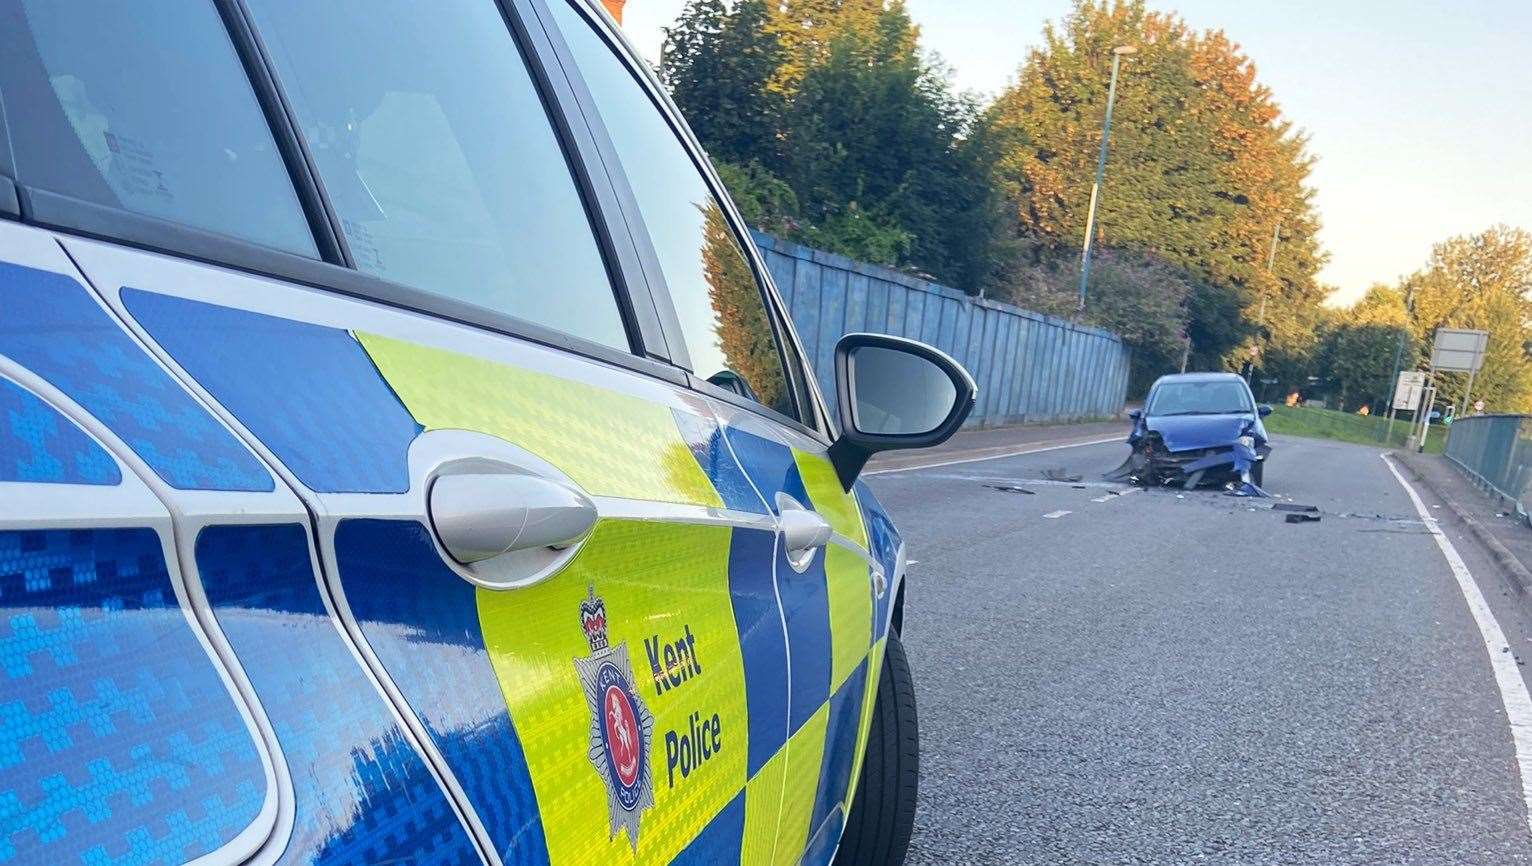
1271,264
1095,190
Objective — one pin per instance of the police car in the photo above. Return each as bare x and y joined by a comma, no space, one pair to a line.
405,459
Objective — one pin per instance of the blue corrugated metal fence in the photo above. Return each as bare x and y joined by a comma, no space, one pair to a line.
1030,368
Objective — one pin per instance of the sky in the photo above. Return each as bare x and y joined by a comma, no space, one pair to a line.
1419,111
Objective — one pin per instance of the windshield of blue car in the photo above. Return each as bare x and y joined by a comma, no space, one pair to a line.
1219,397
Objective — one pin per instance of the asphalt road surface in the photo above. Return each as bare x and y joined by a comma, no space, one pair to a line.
1173,678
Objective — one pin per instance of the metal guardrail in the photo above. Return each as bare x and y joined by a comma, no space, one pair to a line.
1496,450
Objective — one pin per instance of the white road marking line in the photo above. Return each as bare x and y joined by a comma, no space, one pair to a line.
1016,453
1055,515
1513,689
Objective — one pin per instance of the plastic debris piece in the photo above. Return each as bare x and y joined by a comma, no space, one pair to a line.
1247,489
1302,518
1010,488
1293,506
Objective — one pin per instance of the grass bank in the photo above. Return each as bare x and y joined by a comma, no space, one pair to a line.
1347,427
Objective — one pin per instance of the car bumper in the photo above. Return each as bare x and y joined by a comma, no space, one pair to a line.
1151,463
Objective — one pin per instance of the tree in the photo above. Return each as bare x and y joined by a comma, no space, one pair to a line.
833,101
764,200
806,28
719,64
744,330
874,139
1202,168
1480,281
1359,347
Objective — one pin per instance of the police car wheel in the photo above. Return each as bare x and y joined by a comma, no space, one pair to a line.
883,813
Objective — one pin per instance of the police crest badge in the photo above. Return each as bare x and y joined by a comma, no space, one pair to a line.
621,726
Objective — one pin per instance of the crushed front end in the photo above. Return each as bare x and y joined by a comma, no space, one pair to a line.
1153,464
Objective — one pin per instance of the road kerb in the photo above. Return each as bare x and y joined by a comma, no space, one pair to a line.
1516,574
1513,689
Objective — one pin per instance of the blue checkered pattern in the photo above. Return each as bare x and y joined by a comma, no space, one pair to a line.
52,326
309,393
763,646
41,446
806,608
770,465
821,850
422,620
883,542
118,742
840,744
363,794
705,439
805,597
719,841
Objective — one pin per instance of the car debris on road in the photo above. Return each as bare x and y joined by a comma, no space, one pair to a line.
1011,488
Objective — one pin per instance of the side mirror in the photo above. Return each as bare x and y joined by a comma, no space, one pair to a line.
1135,414
894,393
1263,410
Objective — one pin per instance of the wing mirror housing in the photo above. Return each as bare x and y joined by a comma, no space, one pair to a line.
1263,410
894,393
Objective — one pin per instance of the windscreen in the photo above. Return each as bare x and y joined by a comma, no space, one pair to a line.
1220,397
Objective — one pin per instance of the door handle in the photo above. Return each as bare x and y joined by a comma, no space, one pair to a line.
481,516
803,531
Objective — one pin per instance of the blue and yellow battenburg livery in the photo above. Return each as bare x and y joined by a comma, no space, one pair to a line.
329,690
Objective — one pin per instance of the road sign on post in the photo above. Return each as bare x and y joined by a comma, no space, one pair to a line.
1459,351
1407,393
1462,351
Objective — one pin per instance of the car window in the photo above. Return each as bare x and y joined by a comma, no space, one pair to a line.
1218,397
144,107
724,318
436,150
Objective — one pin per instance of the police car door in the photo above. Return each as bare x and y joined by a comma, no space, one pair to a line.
124,736
538,544
743,356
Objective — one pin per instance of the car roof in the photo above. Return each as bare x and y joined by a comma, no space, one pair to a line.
1198,377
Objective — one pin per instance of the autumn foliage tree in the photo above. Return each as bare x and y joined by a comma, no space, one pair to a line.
1202,169
744,333
832,127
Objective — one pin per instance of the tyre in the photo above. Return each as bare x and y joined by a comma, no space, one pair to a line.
883,813
1258,473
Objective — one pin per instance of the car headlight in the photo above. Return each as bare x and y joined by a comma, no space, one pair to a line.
1247,441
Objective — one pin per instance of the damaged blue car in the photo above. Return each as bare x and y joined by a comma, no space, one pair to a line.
1196,429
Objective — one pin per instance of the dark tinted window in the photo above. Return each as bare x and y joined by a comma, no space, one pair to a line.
144,106
439,157
723,314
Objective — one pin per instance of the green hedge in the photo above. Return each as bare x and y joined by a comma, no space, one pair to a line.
1347,427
